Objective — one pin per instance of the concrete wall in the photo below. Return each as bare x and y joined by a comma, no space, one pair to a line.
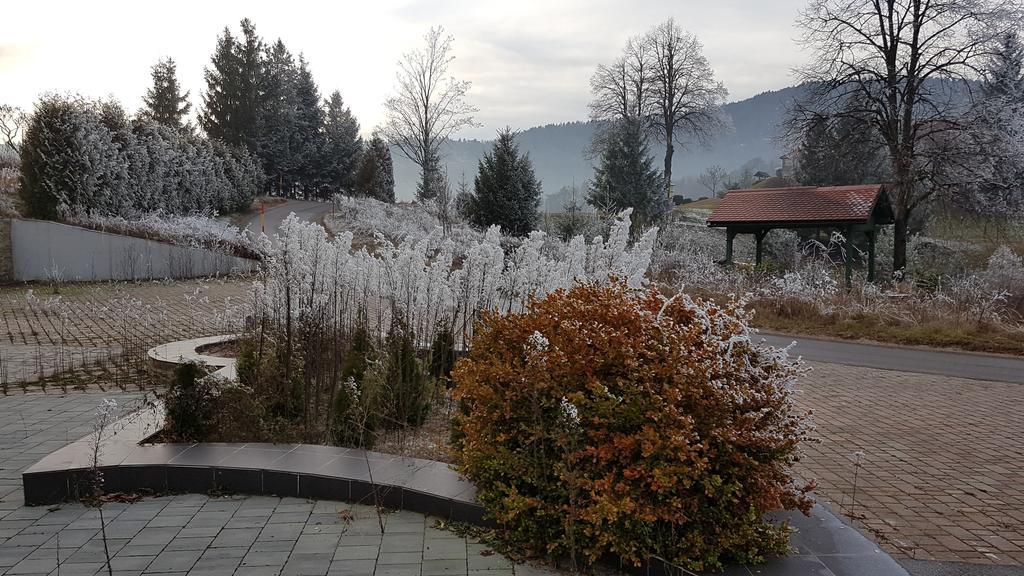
44,250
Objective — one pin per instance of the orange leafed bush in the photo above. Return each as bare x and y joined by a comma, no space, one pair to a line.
606,420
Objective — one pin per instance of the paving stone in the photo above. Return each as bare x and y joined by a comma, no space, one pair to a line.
307,564
289,531
179,543
476,561
402,543
80,568
130,563
230,537
399,558
267,558
174,561
443,567
351,568
444,549
398,570
343,553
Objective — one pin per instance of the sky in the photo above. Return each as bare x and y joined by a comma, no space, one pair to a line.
529,61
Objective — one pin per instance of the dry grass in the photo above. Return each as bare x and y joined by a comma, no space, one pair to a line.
793,318
705,204
430,441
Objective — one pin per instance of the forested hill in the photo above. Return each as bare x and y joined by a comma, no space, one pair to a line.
557,150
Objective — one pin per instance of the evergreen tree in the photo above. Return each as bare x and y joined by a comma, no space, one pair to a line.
626,177
1005,77
309,129
231,102
431,179
250,62
507,193
376,178
342,147
222,99
278,119
816,154
164,101
1001,128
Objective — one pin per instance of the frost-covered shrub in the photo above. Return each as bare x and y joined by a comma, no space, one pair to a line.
432,281
1005,271
192,230
367,218
86,157
607,420
10,172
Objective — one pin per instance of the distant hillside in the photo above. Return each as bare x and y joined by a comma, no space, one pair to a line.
557,150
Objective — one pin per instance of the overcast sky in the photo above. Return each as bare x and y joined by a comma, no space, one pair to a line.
529,60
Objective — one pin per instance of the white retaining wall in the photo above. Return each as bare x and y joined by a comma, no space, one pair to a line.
42,250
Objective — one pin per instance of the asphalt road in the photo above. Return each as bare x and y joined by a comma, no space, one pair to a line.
905,359
276,213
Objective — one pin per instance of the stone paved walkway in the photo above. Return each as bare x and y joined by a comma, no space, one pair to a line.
197,534
942,471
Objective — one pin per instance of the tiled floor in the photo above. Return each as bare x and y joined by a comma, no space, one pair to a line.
197,534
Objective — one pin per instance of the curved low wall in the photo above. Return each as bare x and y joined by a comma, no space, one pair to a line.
43,250
298,470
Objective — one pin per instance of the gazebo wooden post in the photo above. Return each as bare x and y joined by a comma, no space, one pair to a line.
759,237
848,249
871,254
730,235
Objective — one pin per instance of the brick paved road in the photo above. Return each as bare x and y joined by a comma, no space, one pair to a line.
941,475
196,534
86,323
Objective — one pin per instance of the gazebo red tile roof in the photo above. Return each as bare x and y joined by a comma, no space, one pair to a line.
801,204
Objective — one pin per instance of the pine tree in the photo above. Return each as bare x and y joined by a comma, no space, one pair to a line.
221,99
817,153
507,193
250,61
164,101
309,129
1005,76
342,147
376,178
626,177
231,102
277,120
431,180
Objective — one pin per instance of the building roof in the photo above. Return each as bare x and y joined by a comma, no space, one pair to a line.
801,205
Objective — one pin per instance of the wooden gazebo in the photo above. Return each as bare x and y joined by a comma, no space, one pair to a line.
849,209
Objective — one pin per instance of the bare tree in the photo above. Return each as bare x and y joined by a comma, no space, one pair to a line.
12,123
428,109
713,178
906,66
663,80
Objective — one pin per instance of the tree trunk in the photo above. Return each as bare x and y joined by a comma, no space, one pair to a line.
899,244
669,149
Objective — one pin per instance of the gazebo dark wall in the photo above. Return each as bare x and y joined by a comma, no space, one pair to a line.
849,209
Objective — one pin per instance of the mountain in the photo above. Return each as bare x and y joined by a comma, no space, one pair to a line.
557,150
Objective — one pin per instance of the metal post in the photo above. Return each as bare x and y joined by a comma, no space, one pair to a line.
759,238
730,234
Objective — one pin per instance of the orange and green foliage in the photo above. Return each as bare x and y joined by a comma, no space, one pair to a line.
606,420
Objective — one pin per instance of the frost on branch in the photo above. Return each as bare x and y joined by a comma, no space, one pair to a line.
428,281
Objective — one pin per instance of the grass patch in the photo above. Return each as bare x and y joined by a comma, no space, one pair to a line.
937,333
